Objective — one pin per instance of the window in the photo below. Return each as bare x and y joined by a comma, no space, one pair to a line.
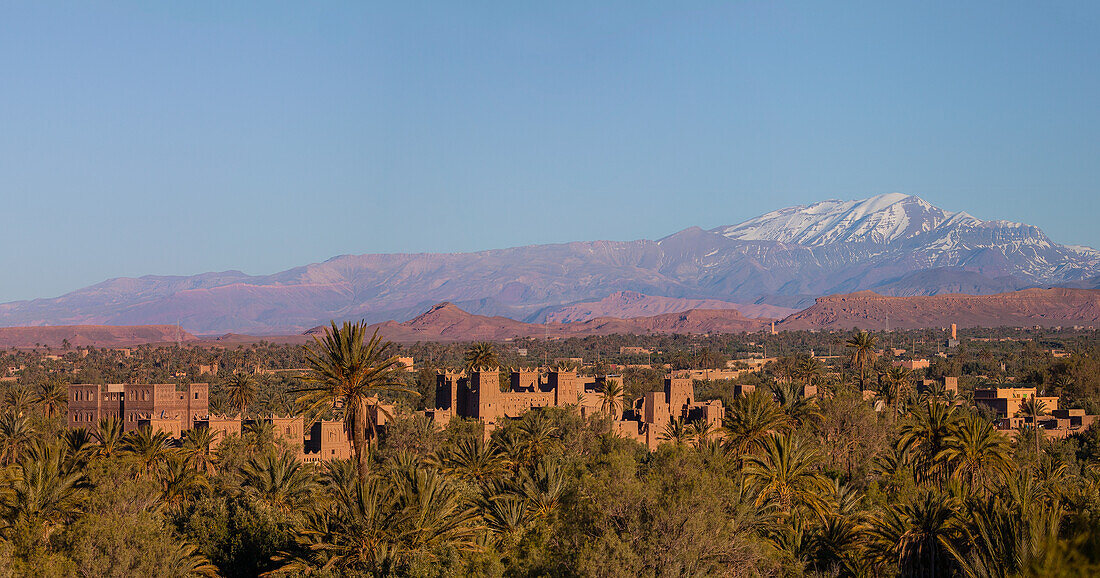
196,395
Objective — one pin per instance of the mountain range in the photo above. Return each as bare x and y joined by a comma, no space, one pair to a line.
893,244
447,322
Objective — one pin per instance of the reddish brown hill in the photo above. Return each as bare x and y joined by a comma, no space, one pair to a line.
93,335
447,322
631,304
869,310
693,321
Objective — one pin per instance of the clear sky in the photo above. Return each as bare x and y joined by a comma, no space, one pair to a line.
183,137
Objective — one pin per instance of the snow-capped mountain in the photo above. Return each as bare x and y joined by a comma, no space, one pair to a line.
893,244
882,219
908,227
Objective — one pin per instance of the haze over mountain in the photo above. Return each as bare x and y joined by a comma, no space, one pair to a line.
893,244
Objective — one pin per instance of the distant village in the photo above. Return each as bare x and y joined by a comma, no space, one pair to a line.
478,394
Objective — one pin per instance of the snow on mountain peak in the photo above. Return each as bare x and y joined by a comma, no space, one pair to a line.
881,219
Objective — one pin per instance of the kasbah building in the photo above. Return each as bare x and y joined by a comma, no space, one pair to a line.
174,409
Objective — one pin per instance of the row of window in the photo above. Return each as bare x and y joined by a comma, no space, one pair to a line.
142,395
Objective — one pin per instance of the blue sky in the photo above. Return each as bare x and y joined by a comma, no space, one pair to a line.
177,138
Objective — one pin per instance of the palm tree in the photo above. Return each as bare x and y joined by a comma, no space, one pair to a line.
700,430
386,525
278,480
52,395
198,446
473,460
1011,533
178,481
793,401
18,399
1054,480
354,539
150,447
242,392
750,419
109,435
863,346
611,398
537,434
807,369
927,433
676,431
894,466
190,562
544,487
259,435
837,541
918,536
1034,407
15,433
898,380
432,512
506,515
43,494
429,511
786,475
707,360
480,355
79,444
976,452
348,370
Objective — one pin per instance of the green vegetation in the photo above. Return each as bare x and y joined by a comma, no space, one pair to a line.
790,486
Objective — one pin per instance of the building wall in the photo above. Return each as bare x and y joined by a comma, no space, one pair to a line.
328,441
679,392
524,380
451,391
84,406
485,401
1007,401
291,430
515,404
198,401
223,427
171,427
137,403
566,386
